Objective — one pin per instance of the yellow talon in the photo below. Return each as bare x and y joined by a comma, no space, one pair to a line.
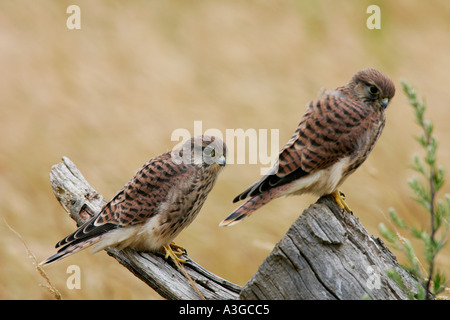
178,248
179,251
173,251
339,197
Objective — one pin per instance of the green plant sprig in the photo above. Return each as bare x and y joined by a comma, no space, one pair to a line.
432,281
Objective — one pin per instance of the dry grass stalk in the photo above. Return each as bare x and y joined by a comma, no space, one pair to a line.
53,291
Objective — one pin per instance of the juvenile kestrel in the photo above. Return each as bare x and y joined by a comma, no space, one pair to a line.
333,139
162,199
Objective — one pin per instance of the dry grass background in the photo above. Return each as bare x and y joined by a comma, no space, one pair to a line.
109,96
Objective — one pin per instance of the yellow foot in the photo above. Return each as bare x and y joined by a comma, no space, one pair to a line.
339,197
178,248
174,251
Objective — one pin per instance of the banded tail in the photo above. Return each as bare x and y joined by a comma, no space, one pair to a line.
247,208
70,249
259,196
83,237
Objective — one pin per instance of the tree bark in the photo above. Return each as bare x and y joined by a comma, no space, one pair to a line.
326,254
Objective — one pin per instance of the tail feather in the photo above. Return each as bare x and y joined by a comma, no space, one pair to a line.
246,209
254,203
71,249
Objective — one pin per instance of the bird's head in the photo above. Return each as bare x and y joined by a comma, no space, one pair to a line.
372,87
203,151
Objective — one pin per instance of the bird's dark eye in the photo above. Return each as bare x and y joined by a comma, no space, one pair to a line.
373,90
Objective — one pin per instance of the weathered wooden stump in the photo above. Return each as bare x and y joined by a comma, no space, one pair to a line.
326,254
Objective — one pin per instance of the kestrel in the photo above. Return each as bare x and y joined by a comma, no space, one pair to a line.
334,137
162,199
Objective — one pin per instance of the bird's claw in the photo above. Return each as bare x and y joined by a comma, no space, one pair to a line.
339,197
174,251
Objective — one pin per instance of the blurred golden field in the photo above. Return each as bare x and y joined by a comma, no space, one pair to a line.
110,95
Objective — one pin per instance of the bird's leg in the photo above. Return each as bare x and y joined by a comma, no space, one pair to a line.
339,197
174,254
178,262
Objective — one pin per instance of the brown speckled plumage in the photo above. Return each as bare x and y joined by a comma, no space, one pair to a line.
162,199
334,137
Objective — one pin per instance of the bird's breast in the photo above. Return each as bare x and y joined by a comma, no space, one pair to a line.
364,146
181,207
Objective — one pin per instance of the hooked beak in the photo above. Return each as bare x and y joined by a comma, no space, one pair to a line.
221,161
384,102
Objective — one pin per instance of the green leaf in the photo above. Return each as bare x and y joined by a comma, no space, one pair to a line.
438,282
421,294
418,166
399,222
388,234
417,233
430,157
438,178
394,275
411,255
422,140
428,126
423,195
440,213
